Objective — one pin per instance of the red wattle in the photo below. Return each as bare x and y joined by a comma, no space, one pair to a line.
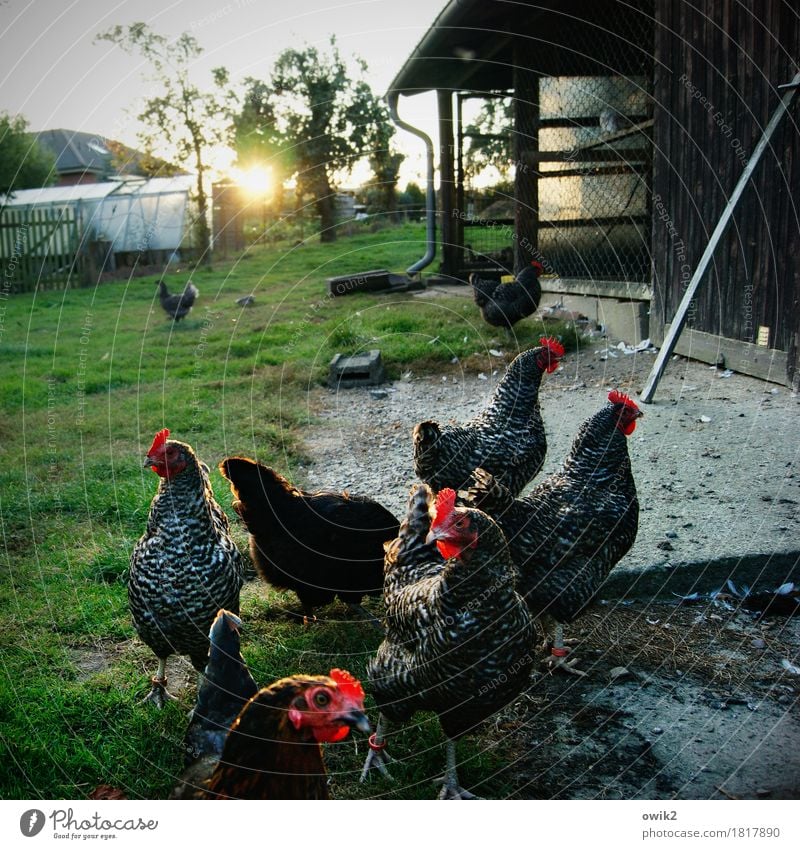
448,549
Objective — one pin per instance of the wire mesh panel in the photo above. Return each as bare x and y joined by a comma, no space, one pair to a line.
580,139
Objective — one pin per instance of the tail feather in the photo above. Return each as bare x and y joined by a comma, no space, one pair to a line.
414,529
488,494
250,478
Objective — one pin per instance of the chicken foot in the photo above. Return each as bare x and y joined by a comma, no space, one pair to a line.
559,654
451,789
159,693
378,757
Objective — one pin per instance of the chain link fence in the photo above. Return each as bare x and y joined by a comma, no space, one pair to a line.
594,160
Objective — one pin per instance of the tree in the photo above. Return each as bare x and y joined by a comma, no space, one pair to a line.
24,163
192,119
490,138
311,121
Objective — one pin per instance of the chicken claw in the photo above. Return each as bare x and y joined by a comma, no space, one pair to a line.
451,789
558,662
159,693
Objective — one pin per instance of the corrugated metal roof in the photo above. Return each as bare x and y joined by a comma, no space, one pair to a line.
96,191
61,194
470,45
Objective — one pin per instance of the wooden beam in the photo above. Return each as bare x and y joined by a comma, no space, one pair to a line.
679,320
526,148
743,357
447,153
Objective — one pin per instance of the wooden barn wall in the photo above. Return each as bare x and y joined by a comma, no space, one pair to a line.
716,74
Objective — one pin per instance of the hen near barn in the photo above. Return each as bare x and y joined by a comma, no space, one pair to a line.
321,545
458,636
504,304
186,565
507,438
568,532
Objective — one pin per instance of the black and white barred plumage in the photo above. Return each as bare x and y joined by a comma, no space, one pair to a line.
458,636
507,438
186,566
567,534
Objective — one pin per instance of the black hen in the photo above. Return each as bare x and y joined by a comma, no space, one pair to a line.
227,685
319,544
177,306
504,304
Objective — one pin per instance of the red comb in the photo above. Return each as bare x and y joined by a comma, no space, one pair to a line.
553,345
158,441
538,266
617,397
445,504
350,686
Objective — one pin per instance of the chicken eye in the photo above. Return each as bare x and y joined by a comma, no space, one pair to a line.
321,698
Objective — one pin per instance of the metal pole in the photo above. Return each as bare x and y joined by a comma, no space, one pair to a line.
679,320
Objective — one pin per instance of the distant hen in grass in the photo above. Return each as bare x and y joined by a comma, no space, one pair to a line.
186,566
177,306
321,545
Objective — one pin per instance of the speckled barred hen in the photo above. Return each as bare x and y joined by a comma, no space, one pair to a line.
507,438
504,304
273,748
567,534
458,636
186,565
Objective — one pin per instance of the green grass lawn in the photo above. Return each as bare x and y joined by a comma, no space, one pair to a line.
88,376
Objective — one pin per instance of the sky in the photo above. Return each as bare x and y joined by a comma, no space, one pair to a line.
53,73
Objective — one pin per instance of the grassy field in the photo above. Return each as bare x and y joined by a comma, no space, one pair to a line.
88,376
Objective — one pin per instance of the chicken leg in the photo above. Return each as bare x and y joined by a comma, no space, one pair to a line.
378,757
451,789
159,693
559,653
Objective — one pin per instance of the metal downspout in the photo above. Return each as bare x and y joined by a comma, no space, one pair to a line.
430,196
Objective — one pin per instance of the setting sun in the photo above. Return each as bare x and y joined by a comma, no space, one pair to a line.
256,180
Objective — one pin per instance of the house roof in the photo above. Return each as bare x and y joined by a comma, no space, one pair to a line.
76,151
470,44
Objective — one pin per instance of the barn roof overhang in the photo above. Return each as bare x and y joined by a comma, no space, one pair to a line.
470,45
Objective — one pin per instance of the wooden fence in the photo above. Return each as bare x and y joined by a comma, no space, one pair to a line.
40,248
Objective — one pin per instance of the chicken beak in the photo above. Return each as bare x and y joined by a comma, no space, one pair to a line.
357,720
147,463
433,535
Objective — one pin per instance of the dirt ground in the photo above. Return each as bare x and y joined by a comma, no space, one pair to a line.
681,701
